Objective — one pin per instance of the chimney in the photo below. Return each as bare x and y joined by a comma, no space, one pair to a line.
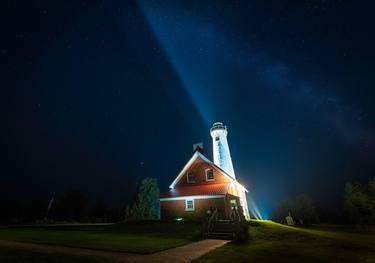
198,147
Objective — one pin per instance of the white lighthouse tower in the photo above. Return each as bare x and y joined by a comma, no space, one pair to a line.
223,159
221,149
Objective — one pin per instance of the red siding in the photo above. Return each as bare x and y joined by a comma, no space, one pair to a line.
176,208
199,169
172,209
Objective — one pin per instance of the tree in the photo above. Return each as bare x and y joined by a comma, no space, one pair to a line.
146,205
371,187
301,208
305,209
359,202
73,206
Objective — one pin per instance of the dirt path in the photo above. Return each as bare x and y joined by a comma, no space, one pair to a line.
181,254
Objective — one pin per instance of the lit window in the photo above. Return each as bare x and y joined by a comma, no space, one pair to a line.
210,175
189,205
190,177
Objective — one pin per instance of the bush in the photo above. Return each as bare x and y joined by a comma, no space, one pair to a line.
241,232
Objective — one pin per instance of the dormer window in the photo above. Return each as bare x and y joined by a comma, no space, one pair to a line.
210,175
190,177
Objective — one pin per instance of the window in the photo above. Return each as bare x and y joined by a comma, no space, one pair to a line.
217,138
190,177
233,202
209,175
189,205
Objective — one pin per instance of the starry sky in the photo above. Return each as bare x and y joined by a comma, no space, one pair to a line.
96,94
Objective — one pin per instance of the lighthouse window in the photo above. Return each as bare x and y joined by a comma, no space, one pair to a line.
216,138
189,205
190,177
209,175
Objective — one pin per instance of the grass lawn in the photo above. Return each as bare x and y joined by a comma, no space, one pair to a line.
12,255
143,238
272,242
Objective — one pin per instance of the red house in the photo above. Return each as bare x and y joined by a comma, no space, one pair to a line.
200,185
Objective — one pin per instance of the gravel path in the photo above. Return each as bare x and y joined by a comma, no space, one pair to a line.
181,254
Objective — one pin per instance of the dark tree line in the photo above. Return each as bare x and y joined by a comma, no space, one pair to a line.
359,206
301,208
71,206
21,212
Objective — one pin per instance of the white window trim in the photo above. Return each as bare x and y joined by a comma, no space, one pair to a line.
187,178
186,207
191,197
212,174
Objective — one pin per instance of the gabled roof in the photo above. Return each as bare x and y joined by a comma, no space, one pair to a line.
205,190
195,156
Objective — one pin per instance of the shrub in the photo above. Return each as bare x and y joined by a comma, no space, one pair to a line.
241,232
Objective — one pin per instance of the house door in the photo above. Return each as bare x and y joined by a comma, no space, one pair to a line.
233,203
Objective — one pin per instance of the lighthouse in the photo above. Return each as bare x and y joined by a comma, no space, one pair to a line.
223,159
221,151
203,184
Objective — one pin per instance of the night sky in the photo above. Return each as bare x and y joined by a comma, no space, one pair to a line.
96,94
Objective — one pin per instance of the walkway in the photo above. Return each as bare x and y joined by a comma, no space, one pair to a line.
183,254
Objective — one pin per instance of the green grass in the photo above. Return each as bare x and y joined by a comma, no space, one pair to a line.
173,229
272,242
12,255
126,237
